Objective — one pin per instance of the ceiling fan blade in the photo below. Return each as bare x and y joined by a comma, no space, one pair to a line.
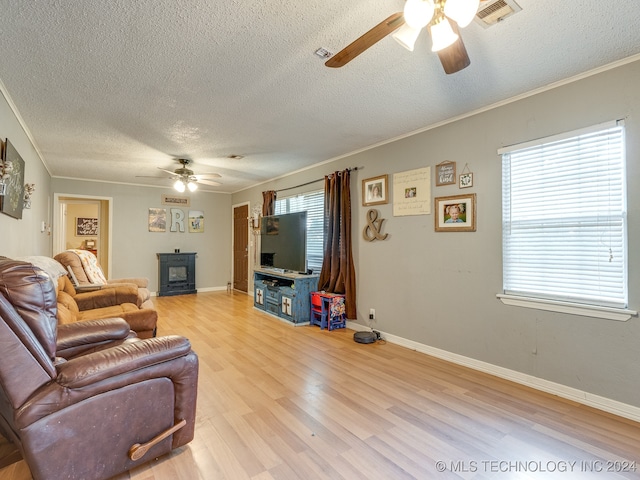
206,175
454,58
153,176
370,38
168,171
209,182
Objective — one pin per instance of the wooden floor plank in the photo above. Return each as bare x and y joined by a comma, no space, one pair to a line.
281,402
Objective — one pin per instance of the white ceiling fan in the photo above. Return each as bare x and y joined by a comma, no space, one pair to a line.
184,178
442,18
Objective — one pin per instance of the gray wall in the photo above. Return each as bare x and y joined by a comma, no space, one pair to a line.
439,288
134,248
23,237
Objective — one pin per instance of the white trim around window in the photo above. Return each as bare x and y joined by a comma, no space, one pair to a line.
619,314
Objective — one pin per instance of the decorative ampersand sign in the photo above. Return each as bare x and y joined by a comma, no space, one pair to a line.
372,231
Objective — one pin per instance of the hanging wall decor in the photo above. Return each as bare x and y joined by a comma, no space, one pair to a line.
412,192
29,188
456,213
12,202
465,180
157,220
375,191
86,227
196,221
445,173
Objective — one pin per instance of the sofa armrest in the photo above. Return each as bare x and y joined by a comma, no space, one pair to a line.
107,297
95,367
141,282
75,338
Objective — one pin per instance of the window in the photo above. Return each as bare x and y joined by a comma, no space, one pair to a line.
564,219
313,203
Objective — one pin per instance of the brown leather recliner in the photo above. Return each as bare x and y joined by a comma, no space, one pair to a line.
116,301
89,403
70,260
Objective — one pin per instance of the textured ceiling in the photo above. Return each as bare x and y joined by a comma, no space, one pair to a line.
111,90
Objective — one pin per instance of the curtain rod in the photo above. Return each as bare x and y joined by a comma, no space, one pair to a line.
312,181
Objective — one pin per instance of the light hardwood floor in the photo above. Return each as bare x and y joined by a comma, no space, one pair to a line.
283,402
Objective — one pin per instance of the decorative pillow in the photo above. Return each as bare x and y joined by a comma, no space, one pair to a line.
91,267
50,266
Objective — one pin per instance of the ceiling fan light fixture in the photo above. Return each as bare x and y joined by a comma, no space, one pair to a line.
442,35
192,186
461,11
179,185
418,13
407,36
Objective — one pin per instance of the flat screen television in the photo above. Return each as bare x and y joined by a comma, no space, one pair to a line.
283,242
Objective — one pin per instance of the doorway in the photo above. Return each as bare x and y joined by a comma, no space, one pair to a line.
241,247
83,222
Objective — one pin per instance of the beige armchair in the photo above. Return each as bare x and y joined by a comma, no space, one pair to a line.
115,300
84,266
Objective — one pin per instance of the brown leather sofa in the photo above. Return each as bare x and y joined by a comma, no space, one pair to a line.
86,400
69,259
115,301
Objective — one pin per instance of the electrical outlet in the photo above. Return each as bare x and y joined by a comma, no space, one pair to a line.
372,314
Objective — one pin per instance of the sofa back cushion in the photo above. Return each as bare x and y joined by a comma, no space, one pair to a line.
89,264
25,365
69,259
28,329
33,295
65,285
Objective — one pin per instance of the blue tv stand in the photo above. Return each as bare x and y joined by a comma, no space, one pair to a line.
284,295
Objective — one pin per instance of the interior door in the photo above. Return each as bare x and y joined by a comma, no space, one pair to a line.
65,236
241,248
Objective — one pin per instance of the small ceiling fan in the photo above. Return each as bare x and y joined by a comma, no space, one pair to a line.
441,17
185,178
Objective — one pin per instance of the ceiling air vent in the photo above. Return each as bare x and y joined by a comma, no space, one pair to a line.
494,11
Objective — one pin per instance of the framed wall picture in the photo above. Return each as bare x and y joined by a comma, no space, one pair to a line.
412,192
86,226
196,221
445,173
456,213
465,180
157,220
375,191
12,201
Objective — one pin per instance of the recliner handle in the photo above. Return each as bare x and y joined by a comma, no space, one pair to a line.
137,451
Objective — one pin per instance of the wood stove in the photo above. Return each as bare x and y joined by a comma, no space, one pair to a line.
177,274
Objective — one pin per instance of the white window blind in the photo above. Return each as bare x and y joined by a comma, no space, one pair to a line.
313,203
564,218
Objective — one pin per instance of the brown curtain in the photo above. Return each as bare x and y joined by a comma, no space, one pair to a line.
338,274
269,202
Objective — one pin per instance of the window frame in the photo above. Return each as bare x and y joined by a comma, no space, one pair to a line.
538,301
313,233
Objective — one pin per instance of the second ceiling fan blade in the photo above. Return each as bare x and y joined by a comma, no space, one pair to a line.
455,57
206,175
209,182
362,43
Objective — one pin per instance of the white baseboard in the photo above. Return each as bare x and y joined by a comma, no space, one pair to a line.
579,396
212,289
207,289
